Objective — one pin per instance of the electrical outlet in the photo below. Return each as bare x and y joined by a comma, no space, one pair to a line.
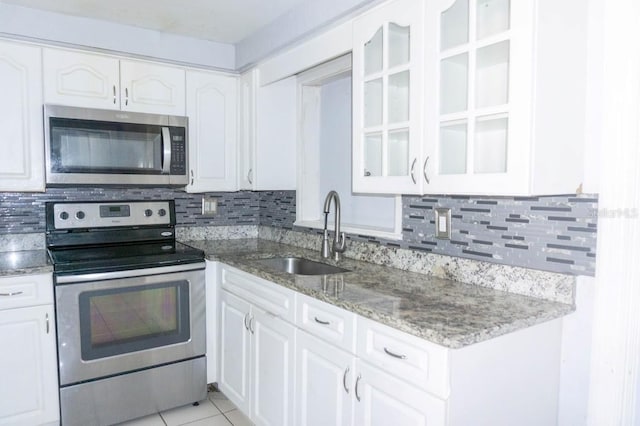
209,206
443,223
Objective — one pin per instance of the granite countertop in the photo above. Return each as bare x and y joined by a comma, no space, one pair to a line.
445,312
24,262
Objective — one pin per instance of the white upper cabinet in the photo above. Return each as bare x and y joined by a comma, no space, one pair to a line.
504,101
387,98
212,112
22,159
98,81
81,79
247,104
146,87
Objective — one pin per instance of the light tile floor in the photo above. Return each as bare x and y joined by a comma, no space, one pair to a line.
216,410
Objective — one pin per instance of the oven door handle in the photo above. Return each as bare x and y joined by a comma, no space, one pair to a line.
100,276
166,151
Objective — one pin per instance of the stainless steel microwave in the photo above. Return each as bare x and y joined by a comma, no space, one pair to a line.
103,147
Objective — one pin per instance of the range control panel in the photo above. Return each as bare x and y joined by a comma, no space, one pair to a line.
107,214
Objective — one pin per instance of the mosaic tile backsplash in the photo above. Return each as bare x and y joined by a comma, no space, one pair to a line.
556,234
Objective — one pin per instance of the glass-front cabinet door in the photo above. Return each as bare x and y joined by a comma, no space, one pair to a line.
387,98
479,56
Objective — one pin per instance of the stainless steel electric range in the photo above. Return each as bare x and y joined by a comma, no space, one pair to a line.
130,310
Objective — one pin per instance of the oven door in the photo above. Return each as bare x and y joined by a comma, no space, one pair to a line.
117,322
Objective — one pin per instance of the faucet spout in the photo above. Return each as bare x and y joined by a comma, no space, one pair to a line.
339,243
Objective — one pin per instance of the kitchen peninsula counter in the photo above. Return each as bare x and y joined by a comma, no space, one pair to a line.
442,311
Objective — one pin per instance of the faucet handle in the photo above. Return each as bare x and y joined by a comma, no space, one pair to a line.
340,244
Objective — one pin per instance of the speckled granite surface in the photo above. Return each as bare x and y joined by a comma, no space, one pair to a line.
442,311
24,262
550,286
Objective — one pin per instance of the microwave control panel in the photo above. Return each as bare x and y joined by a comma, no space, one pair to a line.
178,151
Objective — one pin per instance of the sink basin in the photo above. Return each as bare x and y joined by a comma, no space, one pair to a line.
300,266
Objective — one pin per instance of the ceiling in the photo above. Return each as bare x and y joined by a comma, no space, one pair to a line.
225,21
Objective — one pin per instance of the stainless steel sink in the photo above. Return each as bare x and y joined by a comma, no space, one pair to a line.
300,266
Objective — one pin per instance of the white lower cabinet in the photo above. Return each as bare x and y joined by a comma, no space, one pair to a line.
324,385
272,369
28,361
257,352
349,370
382,399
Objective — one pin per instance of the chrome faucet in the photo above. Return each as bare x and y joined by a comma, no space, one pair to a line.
339,244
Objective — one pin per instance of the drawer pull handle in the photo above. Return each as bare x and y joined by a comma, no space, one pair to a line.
47,322
388,352
413,166
245,321
13,293
321,321
357,383
251,325
344,380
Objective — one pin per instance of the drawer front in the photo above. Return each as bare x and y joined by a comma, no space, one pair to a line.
274,299
407,357
330,323
26,290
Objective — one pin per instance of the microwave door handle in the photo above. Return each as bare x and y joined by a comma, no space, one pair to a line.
166,151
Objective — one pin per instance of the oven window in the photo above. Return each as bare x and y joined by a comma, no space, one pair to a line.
122,320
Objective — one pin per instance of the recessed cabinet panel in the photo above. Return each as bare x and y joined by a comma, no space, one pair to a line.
373,54
81,79
398,153
399,89
373,154
373,103
211,108
490,153
454,76
492,75
22,159
454,30
453,148
492,17
399,42
152,88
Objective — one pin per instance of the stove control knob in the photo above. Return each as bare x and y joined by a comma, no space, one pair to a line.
64,215
162,212
80,215
148,212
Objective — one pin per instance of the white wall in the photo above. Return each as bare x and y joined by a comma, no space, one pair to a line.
335,161
577,329
21,22
300,22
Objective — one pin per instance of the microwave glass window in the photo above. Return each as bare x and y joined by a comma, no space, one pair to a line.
99,147
117,321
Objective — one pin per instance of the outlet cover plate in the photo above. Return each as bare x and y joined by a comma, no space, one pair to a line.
443,223
209,206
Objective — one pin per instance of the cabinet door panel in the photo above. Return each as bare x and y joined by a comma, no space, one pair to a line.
152,88
385,400
81,79
324,383
273,369
235,350
387,99
29,391
211,108
22,160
